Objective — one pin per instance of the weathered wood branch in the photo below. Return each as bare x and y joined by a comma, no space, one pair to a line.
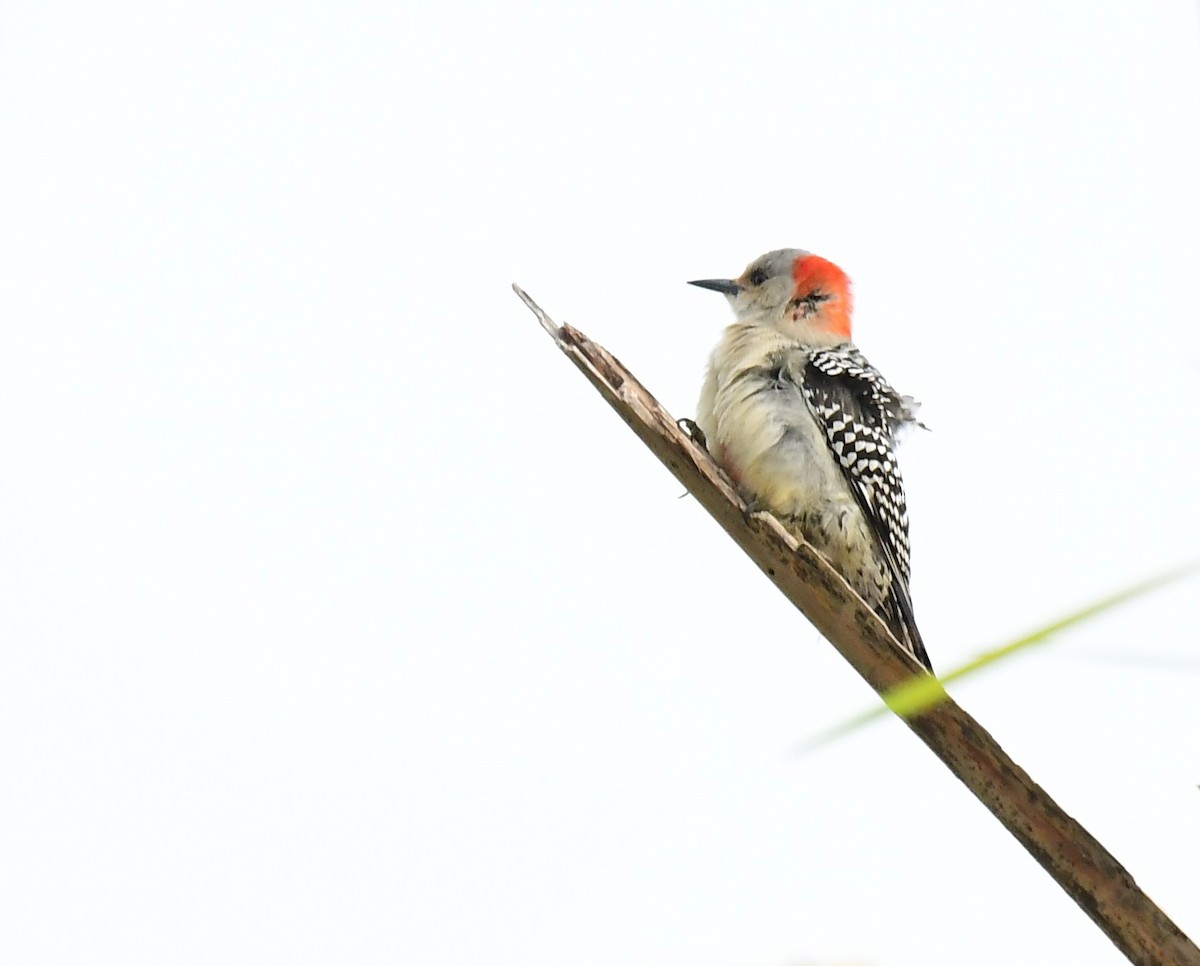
1076,860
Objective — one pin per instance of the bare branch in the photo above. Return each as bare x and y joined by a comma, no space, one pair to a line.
1077,861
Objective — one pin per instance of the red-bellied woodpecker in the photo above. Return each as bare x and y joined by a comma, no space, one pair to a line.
806,427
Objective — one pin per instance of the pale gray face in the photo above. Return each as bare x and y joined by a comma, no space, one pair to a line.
767,285
764,290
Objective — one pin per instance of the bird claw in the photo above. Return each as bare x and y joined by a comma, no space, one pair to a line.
753,507
695,432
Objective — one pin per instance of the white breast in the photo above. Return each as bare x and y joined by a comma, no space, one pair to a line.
760,430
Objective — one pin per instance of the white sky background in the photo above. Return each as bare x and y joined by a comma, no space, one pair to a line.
342,621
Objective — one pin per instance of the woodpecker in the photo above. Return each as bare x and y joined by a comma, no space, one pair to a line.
806,427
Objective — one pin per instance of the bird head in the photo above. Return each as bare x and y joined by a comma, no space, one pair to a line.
800,294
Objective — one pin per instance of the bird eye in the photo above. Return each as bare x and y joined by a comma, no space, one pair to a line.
758,276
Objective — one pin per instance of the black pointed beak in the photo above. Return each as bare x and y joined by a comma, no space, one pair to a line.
726,286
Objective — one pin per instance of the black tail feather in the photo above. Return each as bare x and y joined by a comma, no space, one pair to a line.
904,625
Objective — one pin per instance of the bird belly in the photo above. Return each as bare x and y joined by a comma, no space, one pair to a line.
769,443
763,435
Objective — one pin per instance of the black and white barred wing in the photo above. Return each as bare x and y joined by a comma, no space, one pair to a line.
860,414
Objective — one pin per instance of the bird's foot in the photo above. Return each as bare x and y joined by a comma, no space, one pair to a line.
695,432
754,507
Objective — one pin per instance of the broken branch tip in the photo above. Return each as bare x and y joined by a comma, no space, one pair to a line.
547,323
